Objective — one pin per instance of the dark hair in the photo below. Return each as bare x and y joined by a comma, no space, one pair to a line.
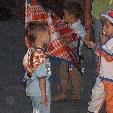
73,8
104,19
33,28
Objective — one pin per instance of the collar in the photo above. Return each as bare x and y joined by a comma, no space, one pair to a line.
109,37
76,23
38,48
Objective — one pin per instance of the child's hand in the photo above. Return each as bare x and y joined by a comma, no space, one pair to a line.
103,37
90,44
44,100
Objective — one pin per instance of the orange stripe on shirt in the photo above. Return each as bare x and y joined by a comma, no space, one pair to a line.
108,57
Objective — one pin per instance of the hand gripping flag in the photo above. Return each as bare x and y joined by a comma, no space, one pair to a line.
63,39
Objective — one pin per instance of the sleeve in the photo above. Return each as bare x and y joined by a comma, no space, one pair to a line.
106,50
81,31
109,46
40,71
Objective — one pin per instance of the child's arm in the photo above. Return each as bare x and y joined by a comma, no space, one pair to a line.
42,85
109,46
90,44
106,50
103,38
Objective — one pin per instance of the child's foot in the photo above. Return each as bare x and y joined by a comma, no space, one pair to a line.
75,98
61,97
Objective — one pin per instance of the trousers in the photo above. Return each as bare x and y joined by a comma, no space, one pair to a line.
102,92
38,107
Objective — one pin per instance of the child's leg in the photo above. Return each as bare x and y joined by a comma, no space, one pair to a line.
76,84
35,103
64,77
97,97
45,109
64,81
109,96
39,108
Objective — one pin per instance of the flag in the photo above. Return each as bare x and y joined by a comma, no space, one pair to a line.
34,12
59,31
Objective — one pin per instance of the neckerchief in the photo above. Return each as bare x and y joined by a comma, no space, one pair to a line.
36,56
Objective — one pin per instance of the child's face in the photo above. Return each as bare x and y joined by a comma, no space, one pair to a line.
108,28
67,17
44,36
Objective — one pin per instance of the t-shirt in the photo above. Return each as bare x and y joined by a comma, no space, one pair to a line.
32,86
101,6
105,52
80,30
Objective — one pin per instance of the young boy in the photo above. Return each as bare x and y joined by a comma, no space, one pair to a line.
103,89
72,14
37,67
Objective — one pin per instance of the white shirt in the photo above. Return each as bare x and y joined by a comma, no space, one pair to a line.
80,30
106,68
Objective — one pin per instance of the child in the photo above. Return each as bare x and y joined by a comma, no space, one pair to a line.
72,13
37,67
103,88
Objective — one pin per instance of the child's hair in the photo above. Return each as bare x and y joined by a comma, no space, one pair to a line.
104,19
33,28
73,8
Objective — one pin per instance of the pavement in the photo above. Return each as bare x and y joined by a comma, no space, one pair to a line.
12,92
